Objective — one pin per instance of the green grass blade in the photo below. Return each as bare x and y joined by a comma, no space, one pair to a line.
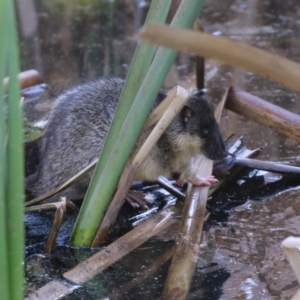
92,208
86,225
4,286
15,165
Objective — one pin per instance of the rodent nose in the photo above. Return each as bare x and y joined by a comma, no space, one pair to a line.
199,93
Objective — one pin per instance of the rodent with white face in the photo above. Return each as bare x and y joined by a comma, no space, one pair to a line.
78,125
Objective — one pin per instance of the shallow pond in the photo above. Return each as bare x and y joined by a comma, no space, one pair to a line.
72,41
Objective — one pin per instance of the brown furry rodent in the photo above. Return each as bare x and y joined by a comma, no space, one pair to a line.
79,123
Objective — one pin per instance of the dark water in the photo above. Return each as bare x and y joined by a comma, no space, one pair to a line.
73,41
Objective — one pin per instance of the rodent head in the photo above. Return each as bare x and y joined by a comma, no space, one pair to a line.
199,121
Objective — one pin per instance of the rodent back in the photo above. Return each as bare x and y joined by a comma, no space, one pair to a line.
76,131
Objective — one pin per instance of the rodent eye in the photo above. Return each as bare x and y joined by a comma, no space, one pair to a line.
205,132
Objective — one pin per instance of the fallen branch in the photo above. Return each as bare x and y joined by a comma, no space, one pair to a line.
263,112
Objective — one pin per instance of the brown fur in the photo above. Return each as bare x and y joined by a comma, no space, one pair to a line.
78,125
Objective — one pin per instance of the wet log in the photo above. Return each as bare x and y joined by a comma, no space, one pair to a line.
263,112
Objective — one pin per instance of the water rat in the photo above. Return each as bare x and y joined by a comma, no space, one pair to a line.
78,125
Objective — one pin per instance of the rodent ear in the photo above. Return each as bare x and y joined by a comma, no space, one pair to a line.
186,113
200,94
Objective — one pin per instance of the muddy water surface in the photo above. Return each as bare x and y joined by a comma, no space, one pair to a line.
241,258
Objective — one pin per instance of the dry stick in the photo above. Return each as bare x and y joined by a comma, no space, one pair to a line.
130,170
106,257
142,275
57,221
160,109
166,184
75,178
234,169
26,79
266,165
152,119
261,62
263,112
189,237
200,61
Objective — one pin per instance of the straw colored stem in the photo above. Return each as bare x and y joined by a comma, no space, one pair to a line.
72,180
260,62
188,242
56,225
130,171
174,108
160,109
